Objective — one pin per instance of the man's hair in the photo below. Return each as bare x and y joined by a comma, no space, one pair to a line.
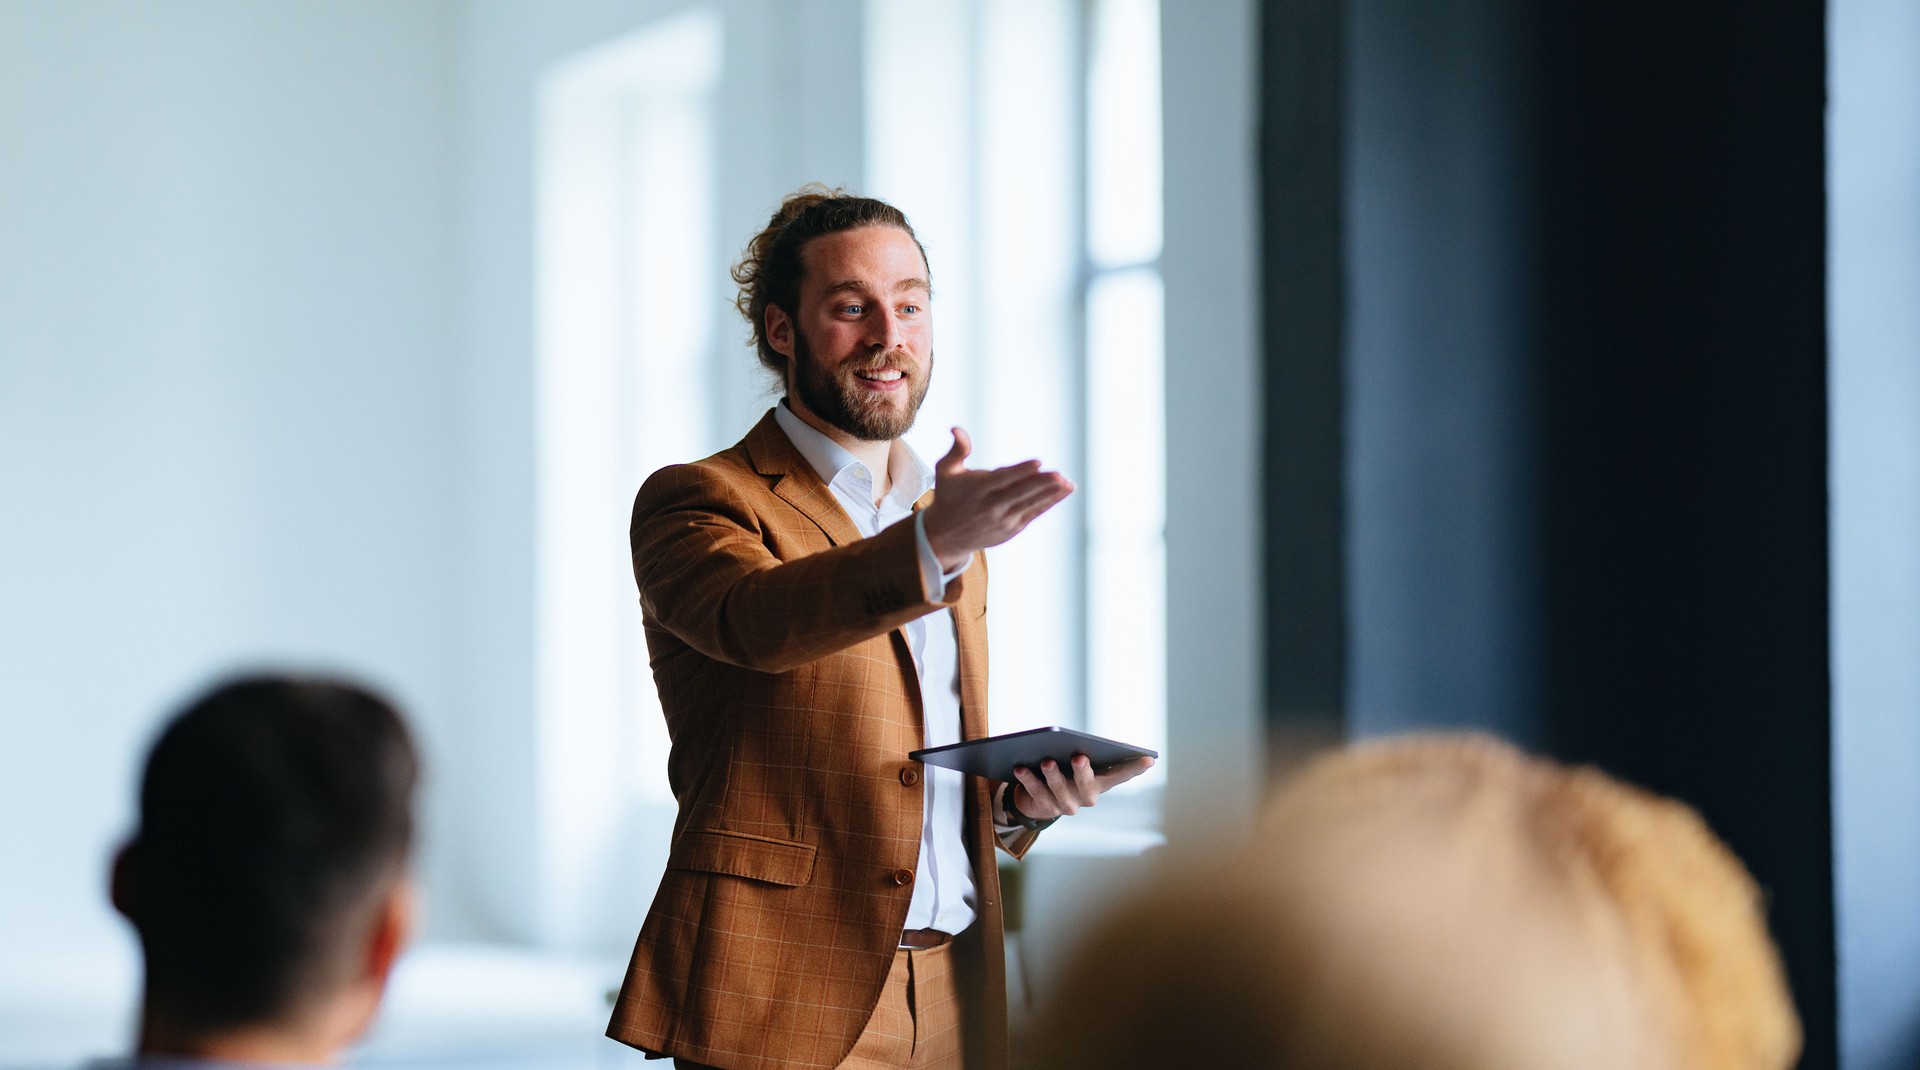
274,813
1445,902
770,270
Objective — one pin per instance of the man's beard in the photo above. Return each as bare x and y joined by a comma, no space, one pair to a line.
869,416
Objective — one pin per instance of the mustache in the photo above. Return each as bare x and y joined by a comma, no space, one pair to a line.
893,360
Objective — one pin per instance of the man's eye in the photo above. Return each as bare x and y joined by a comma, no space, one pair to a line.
852,310
911,310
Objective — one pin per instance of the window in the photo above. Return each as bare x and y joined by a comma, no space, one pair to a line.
1126,378
1023,138
625,369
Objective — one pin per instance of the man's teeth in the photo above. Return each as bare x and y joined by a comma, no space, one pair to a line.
883,377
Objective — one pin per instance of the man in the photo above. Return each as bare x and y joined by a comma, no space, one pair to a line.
813,614
268,877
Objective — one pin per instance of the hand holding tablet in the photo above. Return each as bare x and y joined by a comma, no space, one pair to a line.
996,756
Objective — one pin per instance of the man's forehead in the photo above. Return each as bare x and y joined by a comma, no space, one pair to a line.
877,257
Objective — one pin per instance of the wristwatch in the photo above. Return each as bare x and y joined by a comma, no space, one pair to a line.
1018,818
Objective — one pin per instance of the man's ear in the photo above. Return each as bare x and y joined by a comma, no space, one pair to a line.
120,881
779,329
392,929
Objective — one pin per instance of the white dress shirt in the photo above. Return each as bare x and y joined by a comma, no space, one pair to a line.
943,893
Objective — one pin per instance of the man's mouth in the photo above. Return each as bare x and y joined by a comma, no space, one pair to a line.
881,375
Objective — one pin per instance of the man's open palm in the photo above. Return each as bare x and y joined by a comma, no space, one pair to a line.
976,508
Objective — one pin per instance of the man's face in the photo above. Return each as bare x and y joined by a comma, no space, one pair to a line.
861,341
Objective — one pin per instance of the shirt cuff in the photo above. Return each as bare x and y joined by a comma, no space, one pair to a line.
932,579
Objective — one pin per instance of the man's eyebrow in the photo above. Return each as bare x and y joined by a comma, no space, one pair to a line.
851,286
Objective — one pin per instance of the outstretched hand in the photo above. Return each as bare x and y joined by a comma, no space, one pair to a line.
976,508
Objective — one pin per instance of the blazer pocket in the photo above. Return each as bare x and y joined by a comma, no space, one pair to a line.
739,854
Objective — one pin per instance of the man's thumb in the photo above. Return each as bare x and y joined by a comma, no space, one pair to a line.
962,446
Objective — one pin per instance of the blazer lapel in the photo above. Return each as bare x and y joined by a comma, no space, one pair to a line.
772,454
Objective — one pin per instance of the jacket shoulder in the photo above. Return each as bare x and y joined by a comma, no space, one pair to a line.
725,476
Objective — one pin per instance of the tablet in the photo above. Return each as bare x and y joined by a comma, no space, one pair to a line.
995,756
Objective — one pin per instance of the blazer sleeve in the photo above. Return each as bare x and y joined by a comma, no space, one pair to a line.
707,574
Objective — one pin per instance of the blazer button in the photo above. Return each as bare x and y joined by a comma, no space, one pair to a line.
902,878
909,776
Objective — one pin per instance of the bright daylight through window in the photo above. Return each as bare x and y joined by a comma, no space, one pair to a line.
1023,136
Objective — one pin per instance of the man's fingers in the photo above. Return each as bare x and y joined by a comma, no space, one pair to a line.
990,514
1007,489
1057,792
1037,793
1063,794
1020,469
1025,508
1124,772
1041,498
1084,782
1003,490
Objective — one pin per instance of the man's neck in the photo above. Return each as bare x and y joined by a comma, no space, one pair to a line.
310,1043
246,1047
877,456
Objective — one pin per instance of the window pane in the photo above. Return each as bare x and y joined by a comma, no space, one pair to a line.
1126,510
626,219
1123,133
921,157
1028,400
667,278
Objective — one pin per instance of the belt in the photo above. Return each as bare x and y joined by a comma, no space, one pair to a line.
922,939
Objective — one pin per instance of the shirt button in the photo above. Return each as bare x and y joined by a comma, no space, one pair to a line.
909,776
902,878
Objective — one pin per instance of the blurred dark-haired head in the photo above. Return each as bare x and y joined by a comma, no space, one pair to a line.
276,820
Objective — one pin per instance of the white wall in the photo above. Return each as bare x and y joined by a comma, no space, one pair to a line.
266,352
227,433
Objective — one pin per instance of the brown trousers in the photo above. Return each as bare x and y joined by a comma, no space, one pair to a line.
917,1024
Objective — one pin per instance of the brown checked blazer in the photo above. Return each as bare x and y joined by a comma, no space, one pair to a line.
790,695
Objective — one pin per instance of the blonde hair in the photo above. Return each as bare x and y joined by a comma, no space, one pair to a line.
1442,902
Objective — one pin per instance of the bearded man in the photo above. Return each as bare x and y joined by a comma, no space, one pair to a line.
815,609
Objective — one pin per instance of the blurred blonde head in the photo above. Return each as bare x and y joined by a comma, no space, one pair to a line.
1442,902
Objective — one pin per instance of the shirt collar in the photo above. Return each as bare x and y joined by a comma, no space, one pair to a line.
911,476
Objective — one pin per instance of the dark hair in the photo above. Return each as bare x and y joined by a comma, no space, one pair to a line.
769,271
273,812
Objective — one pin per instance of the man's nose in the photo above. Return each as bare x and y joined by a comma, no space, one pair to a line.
887,334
